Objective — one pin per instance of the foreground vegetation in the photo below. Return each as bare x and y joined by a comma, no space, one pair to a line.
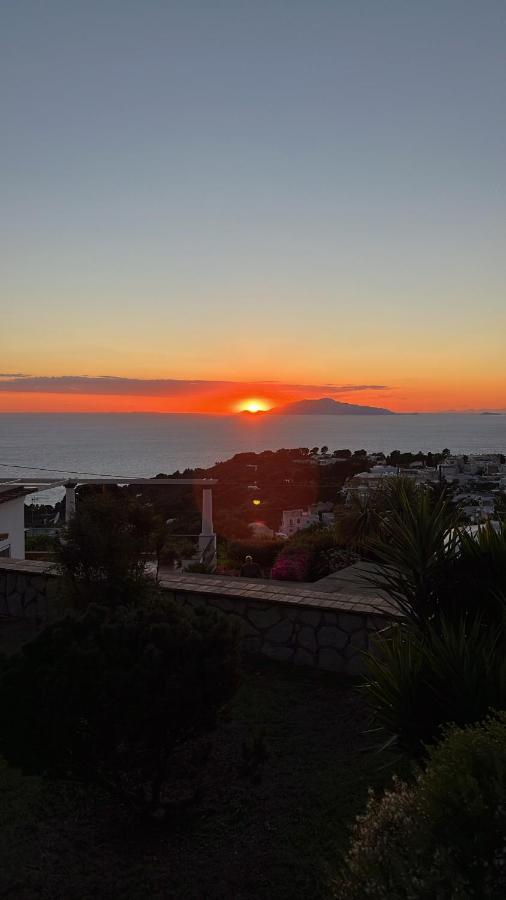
286,775
188,786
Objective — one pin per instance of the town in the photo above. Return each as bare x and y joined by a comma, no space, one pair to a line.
257,502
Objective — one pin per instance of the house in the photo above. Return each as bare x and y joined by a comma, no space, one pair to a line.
12,520
293,520
364,482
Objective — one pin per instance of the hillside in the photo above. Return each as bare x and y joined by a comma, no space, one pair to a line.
325,406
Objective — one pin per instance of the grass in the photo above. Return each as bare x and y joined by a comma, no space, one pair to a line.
275,832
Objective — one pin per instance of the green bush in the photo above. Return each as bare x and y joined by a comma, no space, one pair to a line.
109,696
40,542
454,672
319,549
263,552
429,565
442,837
476,581
102,557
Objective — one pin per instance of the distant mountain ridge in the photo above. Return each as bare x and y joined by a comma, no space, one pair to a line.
325,406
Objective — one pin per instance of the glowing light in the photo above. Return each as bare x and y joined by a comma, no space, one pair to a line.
252,405
256,502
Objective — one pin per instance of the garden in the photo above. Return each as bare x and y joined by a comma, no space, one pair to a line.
144,757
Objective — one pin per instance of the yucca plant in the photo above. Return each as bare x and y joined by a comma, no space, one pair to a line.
451,672
417,542
359,523
477,576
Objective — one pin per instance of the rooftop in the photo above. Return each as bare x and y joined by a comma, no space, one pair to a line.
10,492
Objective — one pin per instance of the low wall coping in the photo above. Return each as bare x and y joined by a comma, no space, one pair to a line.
242,589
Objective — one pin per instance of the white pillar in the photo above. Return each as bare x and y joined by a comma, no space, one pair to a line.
207,532
70,501
207,512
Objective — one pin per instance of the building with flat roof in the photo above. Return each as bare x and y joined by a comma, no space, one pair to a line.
12,520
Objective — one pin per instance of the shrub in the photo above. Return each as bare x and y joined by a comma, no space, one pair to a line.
454,672
416,544
445,835
109,696
477,578
199,568
264,552
42,542
316,553
103,555
429,565
291,566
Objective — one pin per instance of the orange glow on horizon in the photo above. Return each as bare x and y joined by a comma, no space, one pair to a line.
252,405
432,395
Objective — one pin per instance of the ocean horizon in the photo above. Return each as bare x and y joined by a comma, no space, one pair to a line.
146,444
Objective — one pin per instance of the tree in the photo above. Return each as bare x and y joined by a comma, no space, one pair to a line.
108,696
104,550
342,454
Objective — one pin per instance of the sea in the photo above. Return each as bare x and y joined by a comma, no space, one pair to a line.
143,445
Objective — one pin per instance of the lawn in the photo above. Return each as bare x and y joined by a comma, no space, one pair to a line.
274,832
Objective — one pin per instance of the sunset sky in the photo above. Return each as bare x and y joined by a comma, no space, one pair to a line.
206,203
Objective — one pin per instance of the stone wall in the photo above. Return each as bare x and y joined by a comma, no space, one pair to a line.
28,594
285,622
325,639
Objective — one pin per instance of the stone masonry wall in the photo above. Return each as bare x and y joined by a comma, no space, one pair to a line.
324,639
27,595
289,623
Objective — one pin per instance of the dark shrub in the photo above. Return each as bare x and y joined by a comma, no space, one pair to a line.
317,554
263,552
476,582
415,547
291,565
453,672
109,696
431,566
443,837
103,555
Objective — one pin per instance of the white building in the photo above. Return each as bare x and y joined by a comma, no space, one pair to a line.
364,482
293,520
12,520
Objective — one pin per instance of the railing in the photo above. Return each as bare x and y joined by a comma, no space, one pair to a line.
208,554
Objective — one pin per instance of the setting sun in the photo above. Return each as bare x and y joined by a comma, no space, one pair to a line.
252,406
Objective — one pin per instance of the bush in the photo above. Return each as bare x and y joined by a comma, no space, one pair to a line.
477,579
103,555
454,672
40,542
109,696
293,566
445,835
316,553
263,552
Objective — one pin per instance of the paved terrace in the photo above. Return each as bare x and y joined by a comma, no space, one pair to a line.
363,600
344,591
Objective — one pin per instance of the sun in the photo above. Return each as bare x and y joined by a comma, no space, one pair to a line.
252,405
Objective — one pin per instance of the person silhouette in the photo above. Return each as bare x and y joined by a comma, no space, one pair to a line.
250,569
